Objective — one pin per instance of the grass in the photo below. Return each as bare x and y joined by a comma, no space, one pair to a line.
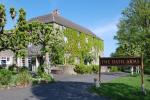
124,88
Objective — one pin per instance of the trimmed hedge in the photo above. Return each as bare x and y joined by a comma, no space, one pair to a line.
86,69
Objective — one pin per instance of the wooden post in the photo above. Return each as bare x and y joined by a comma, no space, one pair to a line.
142,75
99,70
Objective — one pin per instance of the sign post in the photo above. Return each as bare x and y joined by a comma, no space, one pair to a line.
142,75
99,71
134,61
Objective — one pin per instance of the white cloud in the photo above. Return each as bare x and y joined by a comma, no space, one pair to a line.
109,29
107,32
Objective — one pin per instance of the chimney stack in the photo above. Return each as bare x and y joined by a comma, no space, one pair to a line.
55,12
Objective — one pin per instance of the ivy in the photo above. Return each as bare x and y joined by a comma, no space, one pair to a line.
79,44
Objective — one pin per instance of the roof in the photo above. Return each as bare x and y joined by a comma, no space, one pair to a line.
7,53
56,18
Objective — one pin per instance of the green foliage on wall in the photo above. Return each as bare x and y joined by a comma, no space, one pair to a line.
79,44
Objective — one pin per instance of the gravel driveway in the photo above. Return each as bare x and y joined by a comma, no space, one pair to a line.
66,87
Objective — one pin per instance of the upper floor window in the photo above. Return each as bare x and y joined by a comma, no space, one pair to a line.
79,46
86,40
65,39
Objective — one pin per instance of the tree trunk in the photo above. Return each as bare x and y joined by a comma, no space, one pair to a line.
47,62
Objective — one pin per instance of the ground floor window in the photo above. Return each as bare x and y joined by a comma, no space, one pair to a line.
23,61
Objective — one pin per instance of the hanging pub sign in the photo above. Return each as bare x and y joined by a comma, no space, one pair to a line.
120,61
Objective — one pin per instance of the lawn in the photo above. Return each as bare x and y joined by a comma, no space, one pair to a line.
124,88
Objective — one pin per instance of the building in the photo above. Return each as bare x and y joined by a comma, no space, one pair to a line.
78,42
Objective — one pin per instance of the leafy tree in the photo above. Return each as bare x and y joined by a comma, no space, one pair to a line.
50,39
134,27
13,13
19,38
2,18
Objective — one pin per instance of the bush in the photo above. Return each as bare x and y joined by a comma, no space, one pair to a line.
5,76
12,67
114,69
22,69
147,70
43,75
47,77
95,68
23,78
40,71
83,69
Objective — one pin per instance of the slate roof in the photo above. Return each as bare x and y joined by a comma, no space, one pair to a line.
56,18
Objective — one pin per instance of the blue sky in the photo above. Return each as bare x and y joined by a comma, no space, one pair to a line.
100,16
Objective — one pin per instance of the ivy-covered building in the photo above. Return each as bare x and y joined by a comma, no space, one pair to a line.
81,44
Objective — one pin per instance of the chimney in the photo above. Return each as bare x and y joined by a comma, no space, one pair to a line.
55,12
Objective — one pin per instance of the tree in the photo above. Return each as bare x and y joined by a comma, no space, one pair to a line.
50,39
13,13
19,37
133,28
2,18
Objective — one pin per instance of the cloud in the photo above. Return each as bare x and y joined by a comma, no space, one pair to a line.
107,32
108,29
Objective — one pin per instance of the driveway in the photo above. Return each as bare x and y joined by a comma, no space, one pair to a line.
88,78
66,87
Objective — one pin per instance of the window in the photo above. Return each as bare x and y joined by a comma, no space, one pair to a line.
8,59
29,60
3,62
79,46
86,40
65,39
23,61
77,60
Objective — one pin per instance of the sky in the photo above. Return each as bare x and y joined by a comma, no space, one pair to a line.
100,16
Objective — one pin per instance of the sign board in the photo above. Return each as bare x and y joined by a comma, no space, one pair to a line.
120,61
134,61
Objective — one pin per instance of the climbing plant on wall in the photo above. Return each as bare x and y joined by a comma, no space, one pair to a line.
79,44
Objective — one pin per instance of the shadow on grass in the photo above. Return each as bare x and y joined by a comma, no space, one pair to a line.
64,91
119,91
148,80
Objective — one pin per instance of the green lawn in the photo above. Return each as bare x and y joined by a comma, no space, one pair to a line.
124,88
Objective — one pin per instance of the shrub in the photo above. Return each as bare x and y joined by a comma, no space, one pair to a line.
95,68
43,75
22,69
12,67
47,77
83,69
40,71
5,76
114,69
147,70
80,69
23,78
